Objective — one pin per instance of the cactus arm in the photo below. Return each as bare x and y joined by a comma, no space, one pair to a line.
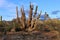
17,14
39,15
35,11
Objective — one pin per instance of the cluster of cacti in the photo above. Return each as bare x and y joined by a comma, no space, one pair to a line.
31,23
26,24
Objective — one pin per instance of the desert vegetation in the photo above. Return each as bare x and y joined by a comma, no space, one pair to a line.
33,23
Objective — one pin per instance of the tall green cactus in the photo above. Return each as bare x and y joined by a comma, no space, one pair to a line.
0,19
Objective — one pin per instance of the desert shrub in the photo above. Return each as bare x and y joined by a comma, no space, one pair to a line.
9,28
54,24
1,27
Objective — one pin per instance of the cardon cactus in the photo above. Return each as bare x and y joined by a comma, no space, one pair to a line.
32,19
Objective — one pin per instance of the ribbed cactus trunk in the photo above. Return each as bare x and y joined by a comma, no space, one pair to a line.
17,14
30,15
0,18
1,21
35,11
23,18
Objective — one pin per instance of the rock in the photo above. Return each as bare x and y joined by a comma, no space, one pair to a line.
13,30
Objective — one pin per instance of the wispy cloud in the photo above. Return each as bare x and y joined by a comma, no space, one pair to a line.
55,12
7,5
8,8
2,2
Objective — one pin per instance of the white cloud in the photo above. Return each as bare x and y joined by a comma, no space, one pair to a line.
7,5
2,2
8,8
34,3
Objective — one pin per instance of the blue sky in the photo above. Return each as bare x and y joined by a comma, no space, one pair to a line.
8,7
